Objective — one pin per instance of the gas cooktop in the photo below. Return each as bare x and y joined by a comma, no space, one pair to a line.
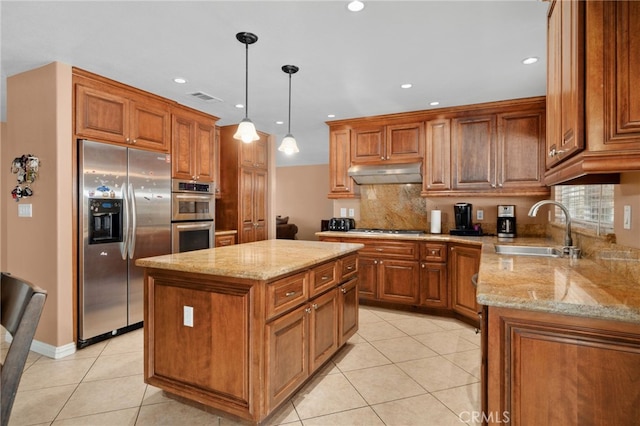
387,231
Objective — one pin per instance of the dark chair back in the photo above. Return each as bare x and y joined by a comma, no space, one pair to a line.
20,311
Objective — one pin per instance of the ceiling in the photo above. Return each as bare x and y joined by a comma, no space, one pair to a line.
351,64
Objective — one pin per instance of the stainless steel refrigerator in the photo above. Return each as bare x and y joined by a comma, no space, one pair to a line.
124,213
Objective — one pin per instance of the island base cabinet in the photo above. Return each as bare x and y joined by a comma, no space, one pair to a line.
348,310
561,370
186,353
287,344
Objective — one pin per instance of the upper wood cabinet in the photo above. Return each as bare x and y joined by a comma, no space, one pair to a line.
494,151
192,145
254,154
390,143
593,103
473,153
565,80
107,111
341,185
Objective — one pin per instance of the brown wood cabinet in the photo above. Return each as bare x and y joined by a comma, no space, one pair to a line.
434,286
593,130
565,80
192,145
473,153
252,343
108,111
389,271
436,174
556,369
244,186
391,143
340,184
464,262
494,151
225,240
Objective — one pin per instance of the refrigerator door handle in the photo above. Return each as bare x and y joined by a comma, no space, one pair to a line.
125,223
132,204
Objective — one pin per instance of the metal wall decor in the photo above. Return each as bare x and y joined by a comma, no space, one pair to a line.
26,167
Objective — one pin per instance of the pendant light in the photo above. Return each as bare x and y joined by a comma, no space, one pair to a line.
288,145
246,130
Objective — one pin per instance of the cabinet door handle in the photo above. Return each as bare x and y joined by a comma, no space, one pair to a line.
135,140
308,310
290,293
375,262
343,290
382,158
423,265
315,306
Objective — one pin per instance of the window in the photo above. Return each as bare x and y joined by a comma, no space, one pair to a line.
590,206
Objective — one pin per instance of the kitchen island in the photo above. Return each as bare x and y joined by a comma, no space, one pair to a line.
240,328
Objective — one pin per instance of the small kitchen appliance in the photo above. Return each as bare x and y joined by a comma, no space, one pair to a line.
506,221
342,224
464,223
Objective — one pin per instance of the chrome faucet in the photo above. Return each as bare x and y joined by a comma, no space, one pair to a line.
568,242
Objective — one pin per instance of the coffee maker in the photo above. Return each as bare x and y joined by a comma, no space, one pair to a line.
464,220
506,221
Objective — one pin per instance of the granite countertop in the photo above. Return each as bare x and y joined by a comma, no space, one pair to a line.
261,260
578,287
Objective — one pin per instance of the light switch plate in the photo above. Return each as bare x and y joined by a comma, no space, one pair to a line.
352,212
626,221
479,214
188,315
24,210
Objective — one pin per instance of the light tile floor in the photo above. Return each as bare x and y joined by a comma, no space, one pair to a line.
400,369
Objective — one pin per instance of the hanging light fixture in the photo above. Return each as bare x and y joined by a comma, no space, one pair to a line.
288,145
246,130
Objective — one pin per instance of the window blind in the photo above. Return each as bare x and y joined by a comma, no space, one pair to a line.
590,206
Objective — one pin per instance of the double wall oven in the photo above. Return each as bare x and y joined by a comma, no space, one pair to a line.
192,215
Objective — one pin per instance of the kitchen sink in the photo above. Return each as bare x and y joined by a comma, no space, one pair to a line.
542,251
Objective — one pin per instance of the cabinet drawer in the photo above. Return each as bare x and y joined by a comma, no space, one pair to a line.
391,249
349,266
324,277
287,293
433,252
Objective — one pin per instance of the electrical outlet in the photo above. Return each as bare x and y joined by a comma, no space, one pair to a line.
343,212
24,210
352,212
188,315
626,221
479,214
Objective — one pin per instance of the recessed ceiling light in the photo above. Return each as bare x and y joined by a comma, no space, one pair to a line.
239,106
530,60
406,85
434,103
279,122
355,6
180,80
331,116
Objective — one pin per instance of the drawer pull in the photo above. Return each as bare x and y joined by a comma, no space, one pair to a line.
379,249
325,277
290,293
349,268
433,252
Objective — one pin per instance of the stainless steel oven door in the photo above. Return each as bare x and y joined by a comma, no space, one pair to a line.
187,206
188,236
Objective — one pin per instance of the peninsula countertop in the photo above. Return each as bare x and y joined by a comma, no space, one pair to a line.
261,260
579,287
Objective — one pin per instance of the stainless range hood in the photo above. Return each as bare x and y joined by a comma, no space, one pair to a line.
386,173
